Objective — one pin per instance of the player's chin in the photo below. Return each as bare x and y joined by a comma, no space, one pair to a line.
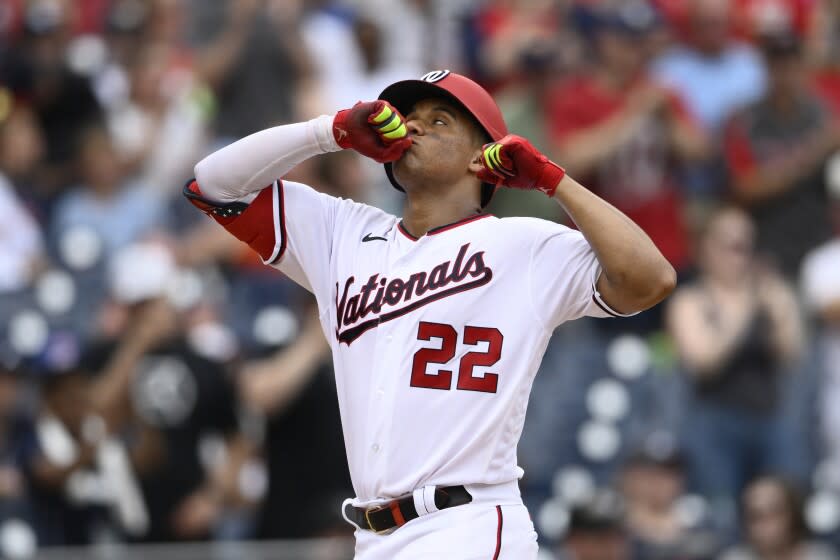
406,162
406,169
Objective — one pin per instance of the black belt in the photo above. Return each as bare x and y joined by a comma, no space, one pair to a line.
397,513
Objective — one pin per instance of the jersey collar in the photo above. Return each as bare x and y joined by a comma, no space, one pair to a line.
440,229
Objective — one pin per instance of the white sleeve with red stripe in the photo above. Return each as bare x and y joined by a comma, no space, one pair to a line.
563,273
238,171
288,224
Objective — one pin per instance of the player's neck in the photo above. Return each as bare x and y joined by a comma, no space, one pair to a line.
422,213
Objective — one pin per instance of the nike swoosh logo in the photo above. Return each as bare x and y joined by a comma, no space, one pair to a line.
370,237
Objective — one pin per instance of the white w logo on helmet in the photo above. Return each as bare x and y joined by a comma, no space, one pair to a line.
435,76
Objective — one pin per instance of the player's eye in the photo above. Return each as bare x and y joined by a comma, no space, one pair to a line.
441,121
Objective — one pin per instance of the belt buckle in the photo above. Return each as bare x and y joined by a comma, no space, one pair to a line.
374,509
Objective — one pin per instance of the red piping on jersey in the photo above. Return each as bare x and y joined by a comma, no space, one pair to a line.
441,229
405,232
498,534
281,210
604,308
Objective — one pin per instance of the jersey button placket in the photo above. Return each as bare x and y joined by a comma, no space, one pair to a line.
378,415
382,398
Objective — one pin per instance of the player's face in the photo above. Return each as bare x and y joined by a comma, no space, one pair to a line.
445,146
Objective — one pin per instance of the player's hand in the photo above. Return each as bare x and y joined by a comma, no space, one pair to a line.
514,162
374,129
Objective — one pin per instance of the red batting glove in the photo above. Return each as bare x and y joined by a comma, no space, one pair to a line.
374,129
514,162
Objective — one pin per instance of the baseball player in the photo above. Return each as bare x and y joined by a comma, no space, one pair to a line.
437,321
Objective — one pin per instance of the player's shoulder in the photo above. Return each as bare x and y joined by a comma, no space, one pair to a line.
346,207
533,228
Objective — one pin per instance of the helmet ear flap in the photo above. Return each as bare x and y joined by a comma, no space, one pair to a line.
389,171
487,191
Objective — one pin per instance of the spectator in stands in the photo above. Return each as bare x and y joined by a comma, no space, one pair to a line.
756,18
550,48
624,132
117,209
774,525
14,429
295,390
652,481
21,240
159,128
60,463
38,69
423,36
821,293
596,531
715,74
513,34
83,478
178,402
337,60
776,150
252,56
736,330
824,53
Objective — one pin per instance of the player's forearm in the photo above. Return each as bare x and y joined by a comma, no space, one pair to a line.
635,274
250,164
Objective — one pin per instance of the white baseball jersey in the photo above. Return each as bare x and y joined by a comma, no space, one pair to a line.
435,340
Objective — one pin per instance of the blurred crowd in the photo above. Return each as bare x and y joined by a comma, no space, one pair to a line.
158,384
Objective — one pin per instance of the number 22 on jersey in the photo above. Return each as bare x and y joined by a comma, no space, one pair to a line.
449,341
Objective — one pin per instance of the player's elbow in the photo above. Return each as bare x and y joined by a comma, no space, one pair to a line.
640,288
657,284
666,281
201,172
211,180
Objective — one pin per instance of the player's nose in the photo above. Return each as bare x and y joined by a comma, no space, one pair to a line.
415,127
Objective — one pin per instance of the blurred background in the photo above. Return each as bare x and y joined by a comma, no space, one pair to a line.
162,393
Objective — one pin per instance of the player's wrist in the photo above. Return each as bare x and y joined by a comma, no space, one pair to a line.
559,187
322,128
550,178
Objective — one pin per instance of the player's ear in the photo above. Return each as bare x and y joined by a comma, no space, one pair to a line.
476,164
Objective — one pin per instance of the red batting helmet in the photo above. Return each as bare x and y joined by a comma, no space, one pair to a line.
473,98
